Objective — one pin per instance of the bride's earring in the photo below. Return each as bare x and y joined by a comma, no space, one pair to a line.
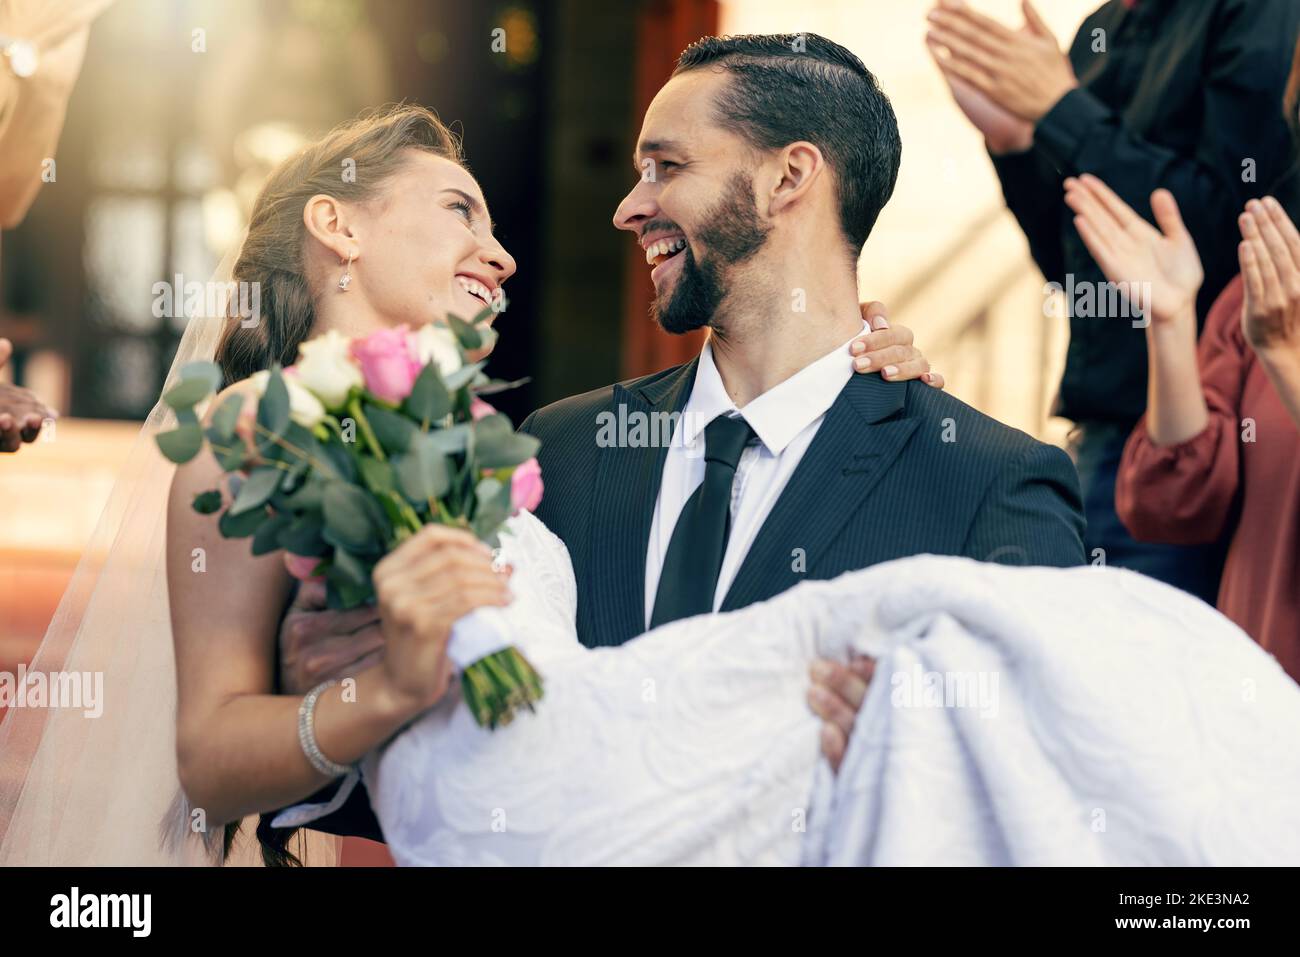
346,278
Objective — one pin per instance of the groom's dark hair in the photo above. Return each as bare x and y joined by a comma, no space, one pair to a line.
787,87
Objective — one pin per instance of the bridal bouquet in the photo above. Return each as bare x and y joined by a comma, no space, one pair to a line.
355,448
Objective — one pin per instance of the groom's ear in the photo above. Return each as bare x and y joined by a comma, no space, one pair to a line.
799,166
326,220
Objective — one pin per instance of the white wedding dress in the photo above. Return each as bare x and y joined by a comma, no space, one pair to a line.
1109,720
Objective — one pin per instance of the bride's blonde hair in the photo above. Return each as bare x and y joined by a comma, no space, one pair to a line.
350,163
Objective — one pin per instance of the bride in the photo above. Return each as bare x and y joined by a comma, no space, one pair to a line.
1122,736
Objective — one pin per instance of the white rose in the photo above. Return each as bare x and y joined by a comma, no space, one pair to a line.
304,408
326,367
437,344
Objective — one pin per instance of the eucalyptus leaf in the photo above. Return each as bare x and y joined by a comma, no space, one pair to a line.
493,498
422,473
257,488
497,445
229,452
429,399
226,416
335,462
350,518
466,334
393,430
273,406
205,503
308,496
303,536
188,392
206,370
449,441
267,537
181,444
377,475
292,477
349,581
463,376
241,526
495,386
348,567
346,596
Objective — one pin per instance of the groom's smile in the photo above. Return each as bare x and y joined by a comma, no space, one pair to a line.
660,249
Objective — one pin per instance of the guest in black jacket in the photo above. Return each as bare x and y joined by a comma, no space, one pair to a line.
1154,93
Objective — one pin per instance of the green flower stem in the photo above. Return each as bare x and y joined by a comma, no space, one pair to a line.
289,446
404,509
435,505
496,687
354,407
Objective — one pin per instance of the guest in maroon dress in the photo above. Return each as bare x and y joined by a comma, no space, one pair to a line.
1242,470
1219,447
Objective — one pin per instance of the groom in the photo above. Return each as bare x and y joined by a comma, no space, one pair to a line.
763,164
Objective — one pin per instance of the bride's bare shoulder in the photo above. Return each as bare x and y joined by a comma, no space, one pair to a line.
229,562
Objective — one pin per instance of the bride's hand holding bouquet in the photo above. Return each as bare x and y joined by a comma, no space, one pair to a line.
374,464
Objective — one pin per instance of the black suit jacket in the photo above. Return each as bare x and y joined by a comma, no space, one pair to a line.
896,469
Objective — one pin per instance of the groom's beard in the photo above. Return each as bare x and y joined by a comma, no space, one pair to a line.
730,234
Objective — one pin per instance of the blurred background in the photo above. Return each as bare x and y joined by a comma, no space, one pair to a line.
182,107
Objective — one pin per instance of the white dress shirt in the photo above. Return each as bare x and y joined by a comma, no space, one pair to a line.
785,419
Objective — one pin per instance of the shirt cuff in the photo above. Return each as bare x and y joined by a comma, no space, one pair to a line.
301,814
1061,133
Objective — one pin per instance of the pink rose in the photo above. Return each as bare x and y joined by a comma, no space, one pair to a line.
387,366
478,408
302,567
526,486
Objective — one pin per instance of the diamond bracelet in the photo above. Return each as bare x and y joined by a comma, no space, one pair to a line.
307,734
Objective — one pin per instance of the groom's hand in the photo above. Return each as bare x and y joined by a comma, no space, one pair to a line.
835,697
317,644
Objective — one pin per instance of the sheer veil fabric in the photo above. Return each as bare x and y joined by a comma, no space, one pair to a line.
81,790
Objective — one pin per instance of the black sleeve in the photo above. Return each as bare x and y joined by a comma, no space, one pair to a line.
1250,44
1034,194
1032,514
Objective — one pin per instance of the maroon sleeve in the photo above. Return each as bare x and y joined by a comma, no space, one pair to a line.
1181,494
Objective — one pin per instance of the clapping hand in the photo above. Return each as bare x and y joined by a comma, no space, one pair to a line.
1021,73
1130,250
1270,266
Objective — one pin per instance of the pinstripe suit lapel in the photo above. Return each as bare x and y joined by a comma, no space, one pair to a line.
859,440
626,489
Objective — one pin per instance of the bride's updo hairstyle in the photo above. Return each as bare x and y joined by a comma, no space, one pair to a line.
350,163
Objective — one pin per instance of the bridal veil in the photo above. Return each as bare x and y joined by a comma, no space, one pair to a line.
78,789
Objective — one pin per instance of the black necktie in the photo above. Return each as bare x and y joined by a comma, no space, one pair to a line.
694,558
